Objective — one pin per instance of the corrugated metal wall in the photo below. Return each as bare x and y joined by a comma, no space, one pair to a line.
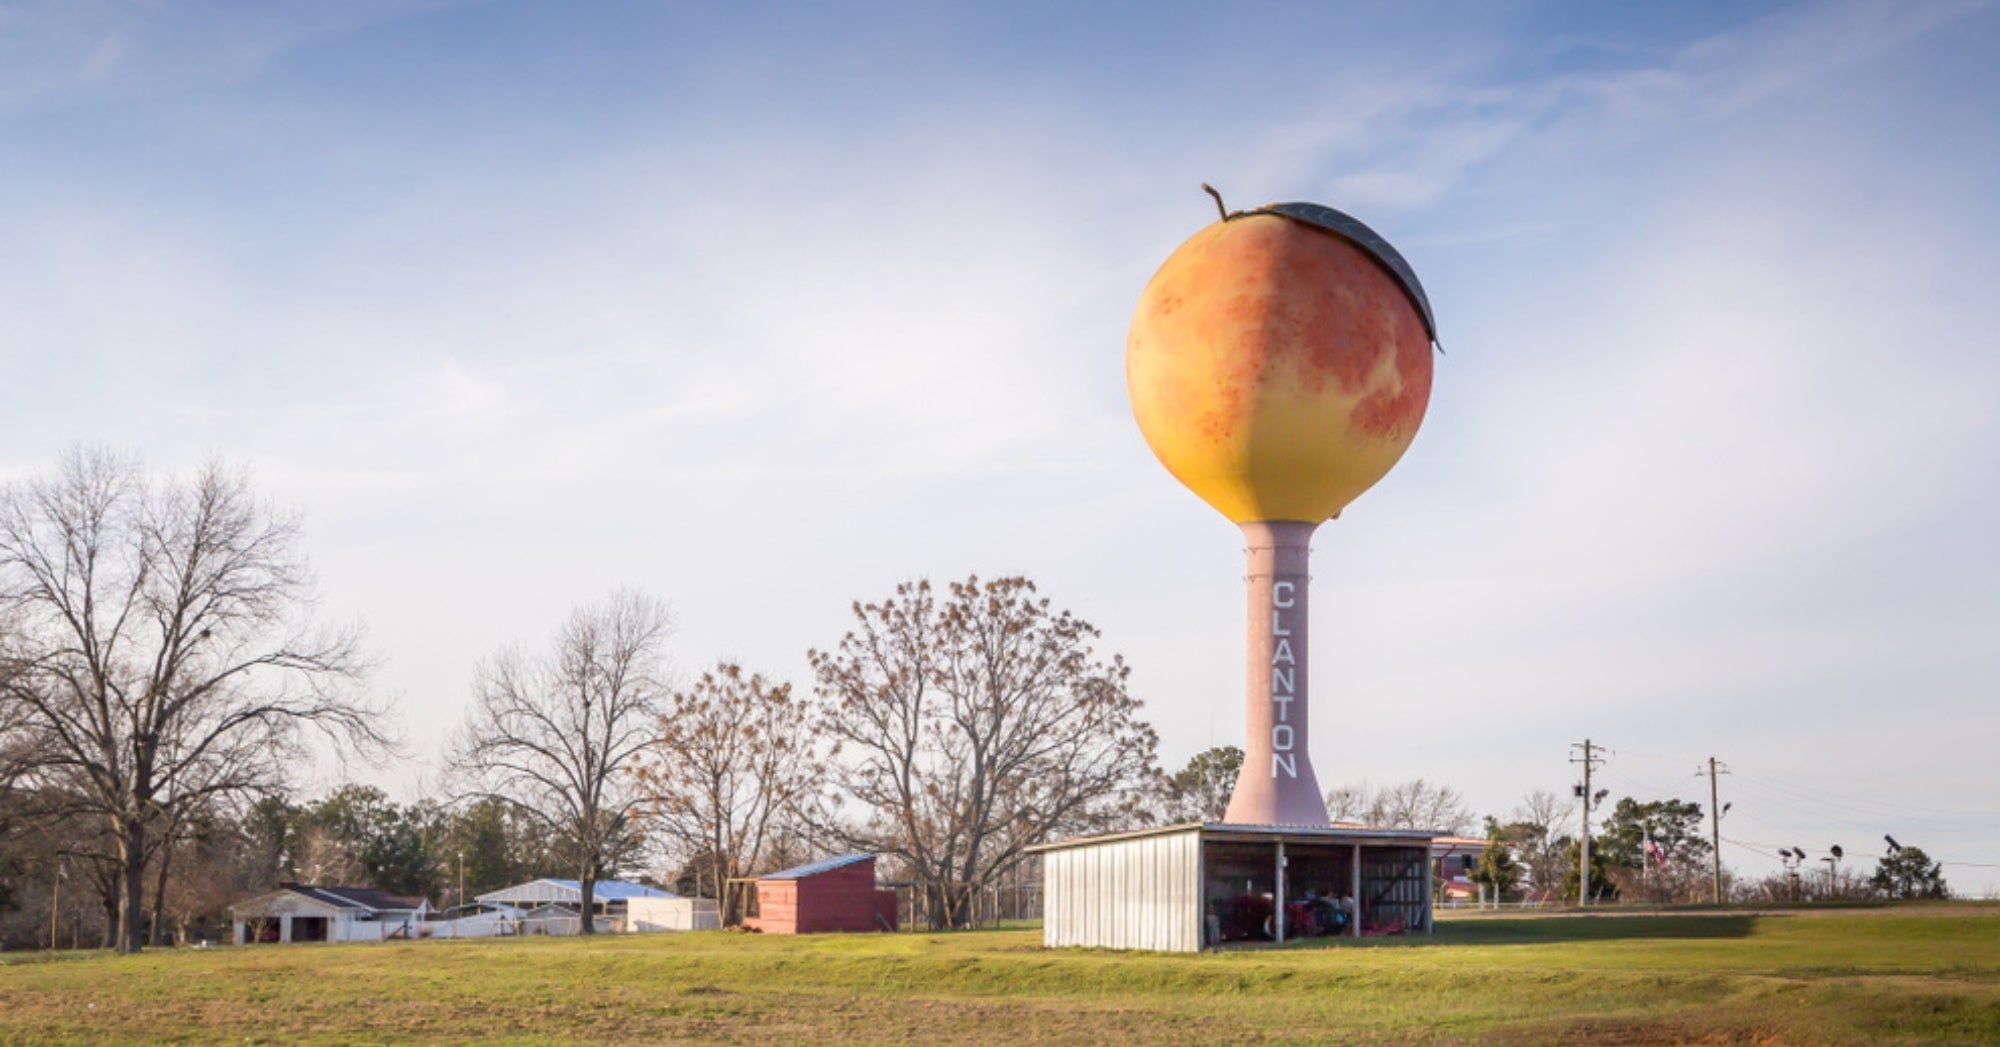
1394,888
1142,893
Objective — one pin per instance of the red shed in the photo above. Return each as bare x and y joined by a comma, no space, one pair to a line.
832,894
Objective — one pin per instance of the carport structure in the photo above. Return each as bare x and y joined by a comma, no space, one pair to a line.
552,904
1182,888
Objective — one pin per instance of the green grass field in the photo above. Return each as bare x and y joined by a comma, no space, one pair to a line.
1913,975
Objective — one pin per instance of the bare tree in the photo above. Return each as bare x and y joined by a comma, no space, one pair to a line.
324,856
1422,804
559,735
976,727
1538,835
1351,803
1415,804
161,651
734,759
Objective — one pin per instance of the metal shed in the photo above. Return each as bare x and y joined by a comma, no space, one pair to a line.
1182,888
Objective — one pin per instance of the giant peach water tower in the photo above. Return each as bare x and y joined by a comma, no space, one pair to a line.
1279,365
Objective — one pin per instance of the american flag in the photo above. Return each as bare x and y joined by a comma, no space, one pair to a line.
1653,850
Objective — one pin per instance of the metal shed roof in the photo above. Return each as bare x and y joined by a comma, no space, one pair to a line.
570,892
1230,831
800,872
366,899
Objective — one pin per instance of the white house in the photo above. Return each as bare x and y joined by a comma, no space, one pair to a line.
305,913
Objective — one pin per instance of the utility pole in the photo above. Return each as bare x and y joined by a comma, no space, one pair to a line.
1588,760
1715,768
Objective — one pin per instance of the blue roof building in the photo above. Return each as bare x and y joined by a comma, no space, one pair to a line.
604,894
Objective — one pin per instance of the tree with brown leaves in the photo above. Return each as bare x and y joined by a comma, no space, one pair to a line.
733,760
973,727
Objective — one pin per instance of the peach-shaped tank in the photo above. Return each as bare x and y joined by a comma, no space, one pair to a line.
1279,365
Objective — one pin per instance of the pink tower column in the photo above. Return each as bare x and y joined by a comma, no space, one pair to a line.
1276,785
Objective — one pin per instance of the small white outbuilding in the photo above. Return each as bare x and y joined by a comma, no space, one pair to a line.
672,914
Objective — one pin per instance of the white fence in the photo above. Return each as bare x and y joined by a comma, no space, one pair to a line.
503,925
477,925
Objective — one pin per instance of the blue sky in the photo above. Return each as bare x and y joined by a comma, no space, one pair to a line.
765,309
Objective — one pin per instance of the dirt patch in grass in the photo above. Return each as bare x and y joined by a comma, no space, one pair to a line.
1600,1032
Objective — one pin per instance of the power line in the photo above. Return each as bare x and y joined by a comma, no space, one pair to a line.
1818,795
1835,816
1655,757
1642,787
1819,809
1780,789
1755,847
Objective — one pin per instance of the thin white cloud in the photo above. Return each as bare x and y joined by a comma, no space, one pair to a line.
65,51
1401,139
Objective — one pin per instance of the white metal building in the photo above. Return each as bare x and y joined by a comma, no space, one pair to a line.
672,914
1182,888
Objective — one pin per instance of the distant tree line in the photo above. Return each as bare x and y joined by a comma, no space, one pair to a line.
220,854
